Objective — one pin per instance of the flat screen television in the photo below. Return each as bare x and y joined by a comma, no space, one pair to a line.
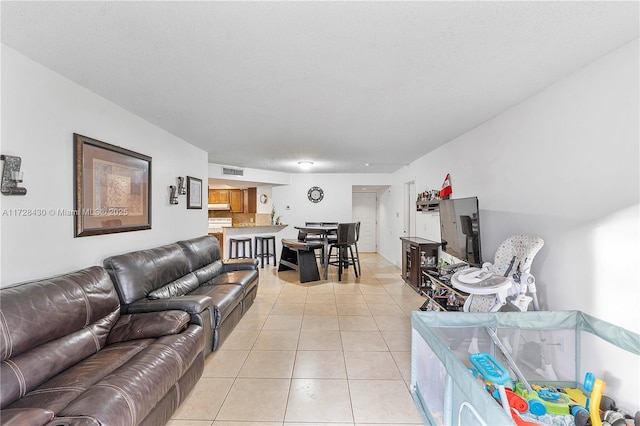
460,229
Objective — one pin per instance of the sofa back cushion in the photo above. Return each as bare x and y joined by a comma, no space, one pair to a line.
138,273
48,325
179,287
201,251
209,272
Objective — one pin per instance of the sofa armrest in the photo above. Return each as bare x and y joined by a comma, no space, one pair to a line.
74,421
147,325
230,265
26,416
191,304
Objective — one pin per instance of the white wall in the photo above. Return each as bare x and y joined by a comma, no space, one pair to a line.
40,112
335,206
562,165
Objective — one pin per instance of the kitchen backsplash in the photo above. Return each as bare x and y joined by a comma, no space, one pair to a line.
257,219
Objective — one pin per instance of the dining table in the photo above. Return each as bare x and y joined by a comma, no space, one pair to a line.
322,232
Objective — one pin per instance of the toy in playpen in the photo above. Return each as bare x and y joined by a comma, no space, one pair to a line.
497,376
599,409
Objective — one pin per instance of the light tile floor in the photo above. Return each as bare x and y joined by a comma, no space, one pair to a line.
314,353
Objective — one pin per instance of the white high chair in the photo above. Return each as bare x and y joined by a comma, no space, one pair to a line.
512,261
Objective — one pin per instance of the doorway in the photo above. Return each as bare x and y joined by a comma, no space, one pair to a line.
365,211
410,209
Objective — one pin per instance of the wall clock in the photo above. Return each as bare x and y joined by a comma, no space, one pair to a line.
315,194
264,198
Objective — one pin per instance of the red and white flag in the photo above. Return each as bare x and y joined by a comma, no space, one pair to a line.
446,187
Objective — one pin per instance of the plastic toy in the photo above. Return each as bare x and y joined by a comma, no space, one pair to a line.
609,413
577,396
494,372
596,387
537,406
496,377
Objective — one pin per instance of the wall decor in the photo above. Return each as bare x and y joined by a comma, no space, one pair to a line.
194,193
12,176
112,188
315,194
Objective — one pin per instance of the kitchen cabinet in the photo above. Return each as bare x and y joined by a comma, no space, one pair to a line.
236,199
250,200
218,196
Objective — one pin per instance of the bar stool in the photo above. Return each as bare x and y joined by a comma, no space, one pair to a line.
234,242
262,242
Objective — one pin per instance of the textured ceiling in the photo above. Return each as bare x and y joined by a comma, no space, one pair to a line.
267,84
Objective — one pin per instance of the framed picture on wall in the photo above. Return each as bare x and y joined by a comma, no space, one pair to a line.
112,188
194,193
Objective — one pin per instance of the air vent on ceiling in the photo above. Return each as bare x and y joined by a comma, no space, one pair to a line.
234,172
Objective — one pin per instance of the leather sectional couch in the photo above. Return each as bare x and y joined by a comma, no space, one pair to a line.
190,276
121,344
69,357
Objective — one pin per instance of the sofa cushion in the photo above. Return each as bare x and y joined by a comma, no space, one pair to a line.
26,416
208,272
179,287
225,299
62,319
201,251
246,279
148,324
128,394
138,273
60,390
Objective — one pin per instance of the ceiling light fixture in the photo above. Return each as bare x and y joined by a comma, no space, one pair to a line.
367,164
305,165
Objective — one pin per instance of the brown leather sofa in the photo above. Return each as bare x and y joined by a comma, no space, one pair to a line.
190,276
69,357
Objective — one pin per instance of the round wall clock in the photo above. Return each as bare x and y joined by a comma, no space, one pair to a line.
264,198
315,194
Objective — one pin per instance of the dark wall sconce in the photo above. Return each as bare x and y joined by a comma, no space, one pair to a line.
175,191
173,198
11,176
182,190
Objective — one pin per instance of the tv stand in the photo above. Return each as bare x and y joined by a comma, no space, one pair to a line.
413,265
440,294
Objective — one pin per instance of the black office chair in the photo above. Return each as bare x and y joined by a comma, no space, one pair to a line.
345,240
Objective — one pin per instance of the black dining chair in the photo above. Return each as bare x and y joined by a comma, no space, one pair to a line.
357,258
331,236
346,238
314,238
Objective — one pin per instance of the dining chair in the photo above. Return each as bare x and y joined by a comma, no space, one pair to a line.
346,237
332,236
304,236
357,258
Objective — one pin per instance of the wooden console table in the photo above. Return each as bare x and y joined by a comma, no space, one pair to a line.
412,266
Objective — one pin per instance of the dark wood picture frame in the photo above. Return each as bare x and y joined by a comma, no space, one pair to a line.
112,191
194,193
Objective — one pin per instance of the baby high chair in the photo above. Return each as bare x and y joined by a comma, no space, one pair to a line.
508,277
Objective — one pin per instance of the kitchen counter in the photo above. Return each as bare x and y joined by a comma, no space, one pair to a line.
258,228
249,230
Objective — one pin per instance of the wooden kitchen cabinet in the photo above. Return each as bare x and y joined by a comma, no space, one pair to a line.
236,199
250,200
219,196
